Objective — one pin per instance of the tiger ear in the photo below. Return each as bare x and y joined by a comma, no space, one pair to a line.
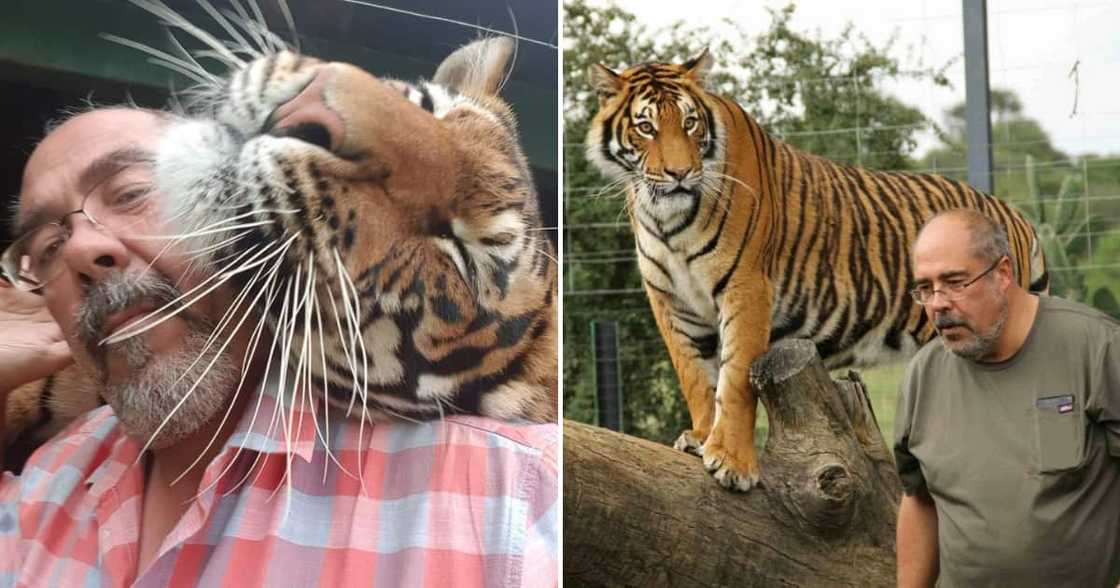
698,67
605,82
477,68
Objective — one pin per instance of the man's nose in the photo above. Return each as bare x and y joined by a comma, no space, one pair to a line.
93,252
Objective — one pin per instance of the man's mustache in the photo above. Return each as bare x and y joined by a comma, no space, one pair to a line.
944,321
115,293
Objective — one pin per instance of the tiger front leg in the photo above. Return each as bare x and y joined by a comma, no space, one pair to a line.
695,373
729,454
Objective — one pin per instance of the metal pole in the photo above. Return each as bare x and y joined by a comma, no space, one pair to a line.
977,101
608,389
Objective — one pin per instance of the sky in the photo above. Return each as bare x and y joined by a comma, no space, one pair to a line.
1032,47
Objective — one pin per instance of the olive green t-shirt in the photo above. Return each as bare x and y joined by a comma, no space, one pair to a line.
1021,457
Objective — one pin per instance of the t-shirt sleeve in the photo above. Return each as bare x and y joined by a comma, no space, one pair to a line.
1104,399
909,469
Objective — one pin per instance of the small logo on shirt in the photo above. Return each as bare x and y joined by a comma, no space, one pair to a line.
1063,404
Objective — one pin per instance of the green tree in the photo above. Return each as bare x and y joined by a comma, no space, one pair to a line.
821,95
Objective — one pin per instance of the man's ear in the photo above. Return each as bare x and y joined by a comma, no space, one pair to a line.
698,67
477,68
1006,270
605,82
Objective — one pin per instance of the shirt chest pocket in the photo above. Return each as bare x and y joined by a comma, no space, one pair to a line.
1059,433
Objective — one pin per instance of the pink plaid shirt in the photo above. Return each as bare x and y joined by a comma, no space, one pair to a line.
460,502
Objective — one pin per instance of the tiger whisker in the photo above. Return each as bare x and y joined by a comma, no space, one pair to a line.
251,350
174,19
165,59
228,27
354,314
286,332
203,232
193,59
174,239
325,436
291,24
198,253
242,19
273,42
233,333
253,343
254,340
277,349
222,276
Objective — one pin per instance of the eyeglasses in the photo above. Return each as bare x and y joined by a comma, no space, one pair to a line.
952,290
35,257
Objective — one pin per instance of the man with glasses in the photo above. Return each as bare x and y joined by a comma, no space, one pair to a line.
461,501
1007,433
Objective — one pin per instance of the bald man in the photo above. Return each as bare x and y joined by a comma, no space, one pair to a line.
1007,434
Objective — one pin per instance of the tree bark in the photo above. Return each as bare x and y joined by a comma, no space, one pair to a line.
641,514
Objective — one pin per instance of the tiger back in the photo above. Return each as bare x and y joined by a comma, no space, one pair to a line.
743,240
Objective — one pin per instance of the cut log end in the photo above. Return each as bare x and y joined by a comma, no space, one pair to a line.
785,359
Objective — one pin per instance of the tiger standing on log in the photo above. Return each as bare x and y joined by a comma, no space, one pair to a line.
320,307
743,240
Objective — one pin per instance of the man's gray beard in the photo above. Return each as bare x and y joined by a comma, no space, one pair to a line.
156,383
982,344
148,400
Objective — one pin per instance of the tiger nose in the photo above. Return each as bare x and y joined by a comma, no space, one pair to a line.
677,174
307,117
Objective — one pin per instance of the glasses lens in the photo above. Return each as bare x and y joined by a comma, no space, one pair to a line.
33,259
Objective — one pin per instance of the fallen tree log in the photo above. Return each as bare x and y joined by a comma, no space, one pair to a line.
637,513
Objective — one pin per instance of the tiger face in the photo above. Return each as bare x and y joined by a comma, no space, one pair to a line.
389,231
655,129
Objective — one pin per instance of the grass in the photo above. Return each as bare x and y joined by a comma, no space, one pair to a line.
882,386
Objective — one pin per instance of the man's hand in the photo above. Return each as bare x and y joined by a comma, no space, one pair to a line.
31,344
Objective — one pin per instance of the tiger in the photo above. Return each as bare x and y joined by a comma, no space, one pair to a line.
392,226
743,240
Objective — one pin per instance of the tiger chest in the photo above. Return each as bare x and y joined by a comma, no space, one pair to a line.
669,269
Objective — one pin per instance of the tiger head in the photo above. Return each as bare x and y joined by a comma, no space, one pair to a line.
391,226
655,129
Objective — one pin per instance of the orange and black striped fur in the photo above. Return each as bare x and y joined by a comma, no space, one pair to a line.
743,240
391,226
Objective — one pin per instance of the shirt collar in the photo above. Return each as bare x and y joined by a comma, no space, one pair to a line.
281,419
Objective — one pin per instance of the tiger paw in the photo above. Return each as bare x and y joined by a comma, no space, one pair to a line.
737,473
690,442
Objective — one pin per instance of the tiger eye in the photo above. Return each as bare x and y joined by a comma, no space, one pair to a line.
646,128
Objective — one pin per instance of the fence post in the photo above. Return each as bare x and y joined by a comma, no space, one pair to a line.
978,120
608,387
